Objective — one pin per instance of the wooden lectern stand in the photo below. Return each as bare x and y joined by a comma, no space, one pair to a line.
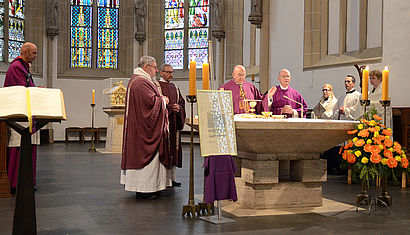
4,181
24,221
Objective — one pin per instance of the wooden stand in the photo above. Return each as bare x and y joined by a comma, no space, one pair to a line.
4,180
24,221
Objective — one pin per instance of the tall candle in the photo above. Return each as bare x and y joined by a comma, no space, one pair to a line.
365,83
192,78
205,76
93,97
385,84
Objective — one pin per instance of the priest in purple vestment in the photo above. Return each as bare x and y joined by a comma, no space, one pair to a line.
19,74
242,90
176,117
277,102
145,152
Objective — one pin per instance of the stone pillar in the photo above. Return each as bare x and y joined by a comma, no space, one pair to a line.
264,71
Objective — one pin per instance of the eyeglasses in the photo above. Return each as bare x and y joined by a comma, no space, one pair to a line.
348,81
155,67
326,90
168,72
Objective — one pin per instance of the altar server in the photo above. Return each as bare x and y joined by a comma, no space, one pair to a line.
324,109
277,102
349,107
375,95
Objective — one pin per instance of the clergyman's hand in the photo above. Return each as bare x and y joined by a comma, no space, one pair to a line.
271,92
342,110
175,108
287,109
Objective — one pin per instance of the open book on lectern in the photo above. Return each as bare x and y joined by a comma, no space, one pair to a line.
43,103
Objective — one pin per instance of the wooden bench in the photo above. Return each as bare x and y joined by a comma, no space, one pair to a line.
101,130
69,130
89,130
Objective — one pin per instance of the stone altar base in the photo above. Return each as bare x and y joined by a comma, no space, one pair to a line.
280,183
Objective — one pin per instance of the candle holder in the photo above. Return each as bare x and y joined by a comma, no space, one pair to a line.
385,104
385,197
92,148
191,207
364,103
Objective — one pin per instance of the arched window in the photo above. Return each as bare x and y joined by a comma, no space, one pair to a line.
179,48
86,52
11,29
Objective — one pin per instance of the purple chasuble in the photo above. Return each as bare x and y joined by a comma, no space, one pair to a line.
176,121
16,76
145,125
219,178
251,93
279,101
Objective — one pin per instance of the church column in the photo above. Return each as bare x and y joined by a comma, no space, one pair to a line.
264,69
234,35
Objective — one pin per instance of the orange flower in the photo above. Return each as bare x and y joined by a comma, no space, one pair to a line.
368,148
382,125
349,144
344,155
388,143
364,121
375,149
359,143
386,132
375,158
341,149
377,117
352,132
363,133
404,162
387,153
372,129
378,139
351,158
391,162
397,147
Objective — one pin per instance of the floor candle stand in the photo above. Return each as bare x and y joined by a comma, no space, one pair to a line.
217,219
191,208
385,197
92,148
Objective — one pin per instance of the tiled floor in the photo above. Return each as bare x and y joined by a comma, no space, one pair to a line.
79,193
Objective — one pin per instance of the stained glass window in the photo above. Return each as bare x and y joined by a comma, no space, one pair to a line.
175,30
1,29
108,13
174,33
198,31
16,28
105,27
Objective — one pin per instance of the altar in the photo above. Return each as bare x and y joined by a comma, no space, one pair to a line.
279,160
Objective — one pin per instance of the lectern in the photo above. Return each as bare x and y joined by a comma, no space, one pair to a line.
24,221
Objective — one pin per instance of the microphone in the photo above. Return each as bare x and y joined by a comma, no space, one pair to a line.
301,105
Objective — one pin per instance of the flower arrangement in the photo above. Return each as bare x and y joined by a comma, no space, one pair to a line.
371,152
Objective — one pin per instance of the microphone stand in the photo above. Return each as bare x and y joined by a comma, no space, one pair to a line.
301,105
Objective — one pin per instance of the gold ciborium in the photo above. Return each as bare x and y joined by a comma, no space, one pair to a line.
267,114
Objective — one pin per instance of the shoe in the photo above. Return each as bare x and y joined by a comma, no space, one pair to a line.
176,184
13,191
154,195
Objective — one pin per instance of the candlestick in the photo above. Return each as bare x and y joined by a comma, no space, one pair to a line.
364,103
205,76
192,78
93,97
385,84
365,83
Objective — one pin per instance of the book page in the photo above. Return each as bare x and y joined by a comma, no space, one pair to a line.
13,101
46,103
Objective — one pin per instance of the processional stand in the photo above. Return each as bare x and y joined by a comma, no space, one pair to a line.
364,196
92,148
191,208
24,221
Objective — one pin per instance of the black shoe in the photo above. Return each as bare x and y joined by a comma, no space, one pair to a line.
176,184
154,195
13,191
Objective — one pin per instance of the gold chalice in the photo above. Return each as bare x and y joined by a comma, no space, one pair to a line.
252,104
